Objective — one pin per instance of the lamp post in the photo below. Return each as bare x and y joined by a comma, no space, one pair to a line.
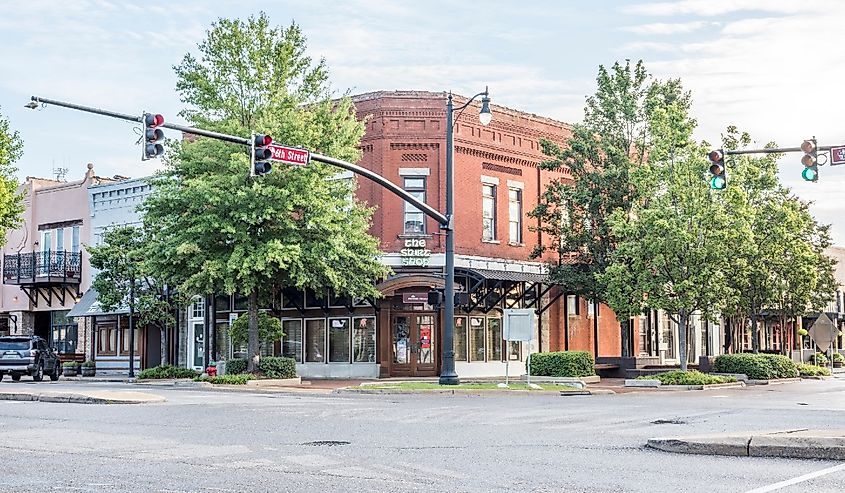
448,376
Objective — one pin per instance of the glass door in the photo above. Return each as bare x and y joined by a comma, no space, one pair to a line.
197,345
413,345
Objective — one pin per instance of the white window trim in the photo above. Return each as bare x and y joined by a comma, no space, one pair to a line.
301,337
329,343
516,184
414,171
489,180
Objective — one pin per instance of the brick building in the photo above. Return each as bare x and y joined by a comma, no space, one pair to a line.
497,181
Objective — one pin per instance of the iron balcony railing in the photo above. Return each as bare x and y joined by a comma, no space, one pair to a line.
37,267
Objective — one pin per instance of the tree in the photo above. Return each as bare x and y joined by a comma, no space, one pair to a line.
124,277
617,134
269,329
675,243
784,268
11,202
216,229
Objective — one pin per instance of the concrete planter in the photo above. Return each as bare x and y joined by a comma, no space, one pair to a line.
632,382
275,382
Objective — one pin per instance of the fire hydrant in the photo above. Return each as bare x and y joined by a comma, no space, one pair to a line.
211,371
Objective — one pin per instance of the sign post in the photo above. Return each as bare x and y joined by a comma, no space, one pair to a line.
518,325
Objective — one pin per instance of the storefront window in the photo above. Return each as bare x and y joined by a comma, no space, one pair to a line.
241,303
338,340
63,332
315,340
364,340
494,339
198,308
476,338
223,303
515,350
460,338
292,340
106,339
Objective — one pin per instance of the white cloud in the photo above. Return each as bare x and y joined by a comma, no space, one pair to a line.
660,28
707,8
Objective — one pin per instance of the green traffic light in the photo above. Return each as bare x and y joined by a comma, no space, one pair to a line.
717,183
809,174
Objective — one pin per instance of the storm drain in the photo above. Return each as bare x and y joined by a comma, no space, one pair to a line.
326,443
668,422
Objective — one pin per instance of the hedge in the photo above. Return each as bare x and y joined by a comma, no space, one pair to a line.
270,366
167,371
276,367
806,370
239,379
692,377
820,359
562,364
756,366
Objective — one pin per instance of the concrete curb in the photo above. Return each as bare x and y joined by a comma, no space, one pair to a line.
651,383
794,444
355,390
774,381
102,397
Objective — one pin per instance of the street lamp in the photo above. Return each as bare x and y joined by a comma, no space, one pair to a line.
448,376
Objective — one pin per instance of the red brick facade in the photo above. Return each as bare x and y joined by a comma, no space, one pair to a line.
405,130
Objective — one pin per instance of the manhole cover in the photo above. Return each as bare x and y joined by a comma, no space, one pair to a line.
326,443
668,422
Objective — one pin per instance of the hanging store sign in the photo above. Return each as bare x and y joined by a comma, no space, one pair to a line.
415,253
410,298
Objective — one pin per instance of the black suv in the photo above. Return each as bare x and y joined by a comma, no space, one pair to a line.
28,355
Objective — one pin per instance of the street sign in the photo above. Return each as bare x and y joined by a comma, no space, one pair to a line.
290,155
519,324
823,332
837,155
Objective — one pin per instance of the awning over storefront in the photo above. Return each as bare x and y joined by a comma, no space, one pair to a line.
88,306
488,288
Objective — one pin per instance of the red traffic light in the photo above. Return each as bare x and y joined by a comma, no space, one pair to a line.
716,156
153,120
263,140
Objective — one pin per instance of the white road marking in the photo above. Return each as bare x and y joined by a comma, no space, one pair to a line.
799,479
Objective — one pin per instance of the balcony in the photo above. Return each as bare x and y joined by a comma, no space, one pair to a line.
42,268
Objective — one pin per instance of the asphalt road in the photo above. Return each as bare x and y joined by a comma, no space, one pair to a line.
207,441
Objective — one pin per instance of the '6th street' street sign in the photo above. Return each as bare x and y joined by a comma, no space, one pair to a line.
290,155
837,155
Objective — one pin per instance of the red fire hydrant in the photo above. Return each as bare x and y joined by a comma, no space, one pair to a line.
211,371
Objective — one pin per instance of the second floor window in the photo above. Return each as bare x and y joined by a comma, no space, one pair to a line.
515,215
488,212
414,218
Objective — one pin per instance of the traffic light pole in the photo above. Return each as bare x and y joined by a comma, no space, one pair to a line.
358,170
775,150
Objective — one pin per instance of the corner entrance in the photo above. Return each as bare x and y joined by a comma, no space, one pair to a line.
413,345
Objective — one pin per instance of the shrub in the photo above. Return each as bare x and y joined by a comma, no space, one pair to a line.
235,366
806,370
70,364
838,358
239,379
89,364
563,364
275,367
167,371
820,359
692,377
756,366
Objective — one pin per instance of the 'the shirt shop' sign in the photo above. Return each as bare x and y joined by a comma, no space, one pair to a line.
415,252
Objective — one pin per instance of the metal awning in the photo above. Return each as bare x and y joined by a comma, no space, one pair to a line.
505,275
88,306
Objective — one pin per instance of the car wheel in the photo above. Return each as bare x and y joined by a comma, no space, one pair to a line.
16,377
39,373
54,375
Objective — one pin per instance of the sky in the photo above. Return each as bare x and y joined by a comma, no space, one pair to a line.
773,68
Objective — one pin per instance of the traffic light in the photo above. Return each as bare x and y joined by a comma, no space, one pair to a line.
810,160
152,136
260,161
719,178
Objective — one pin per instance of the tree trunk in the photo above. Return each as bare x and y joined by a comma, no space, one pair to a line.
683,319
163,348
755,334
253,352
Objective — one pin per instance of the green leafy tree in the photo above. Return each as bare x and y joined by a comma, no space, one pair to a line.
219,230
673,244
782,267
11,202
616,136
124,278
269,329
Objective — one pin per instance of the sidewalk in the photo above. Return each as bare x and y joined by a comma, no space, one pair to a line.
795,444
81,397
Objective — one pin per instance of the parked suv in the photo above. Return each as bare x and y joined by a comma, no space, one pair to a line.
28,355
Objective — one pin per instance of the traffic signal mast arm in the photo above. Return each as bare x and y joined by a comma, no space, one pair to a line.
776,150
247,141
